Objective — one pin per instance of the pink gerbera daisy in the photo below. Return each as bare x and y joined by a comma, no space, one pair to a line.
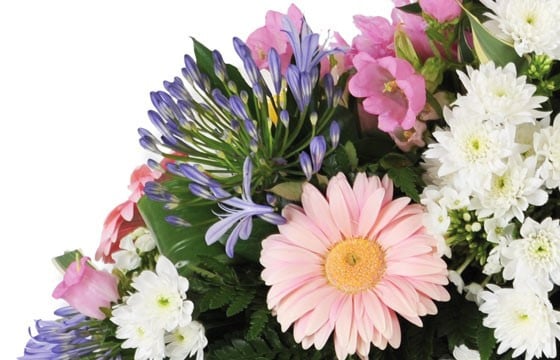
351,262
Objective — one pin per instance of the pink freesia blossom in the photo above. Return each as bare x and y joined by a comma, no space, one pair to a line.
391,90
348,263
271,36
441,10
87,289
124,218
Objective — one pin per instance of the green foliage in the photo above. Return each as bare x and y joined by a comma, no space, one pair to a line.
290,190
489,48
400,170
485,341
63,261
259,319
459,321
180,244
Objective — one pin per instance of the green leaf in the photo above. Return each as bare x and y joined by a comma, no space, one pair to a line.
489,48
407,181
486,342
240,302
405,50
221,297
458,320
395,160
465,52
413,8
175,242
250,249
351,153
290,190
258,321
62,262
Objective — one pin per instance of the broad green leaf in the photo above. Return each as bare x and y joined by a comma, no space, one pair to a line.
63,261
290,190
486,341
175,242
489,48
351,153
413,8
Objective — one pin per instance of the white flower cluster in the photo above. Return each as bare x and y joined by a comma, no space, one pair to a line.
156,319
531,26
498,157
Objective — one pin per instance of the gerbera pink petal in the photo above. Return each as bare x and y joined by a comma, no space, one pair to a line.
317,210
388,213
399,229
299,233
339,209
349,197
397,299
320,315
342,328
314,289
370,210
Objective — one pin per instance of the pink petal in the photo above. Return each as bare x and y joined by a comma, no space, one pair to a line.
320,315
399,230
387,214
349,197
343,328
400,298
317,209
298,303
339,208
370,211
299,231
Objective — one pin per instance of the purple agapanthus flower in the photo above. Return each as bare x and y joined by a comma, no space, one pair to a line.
239,213
68,337
303,75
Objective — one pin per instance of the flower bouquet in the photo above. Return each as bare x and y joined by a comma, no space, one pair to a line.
392,197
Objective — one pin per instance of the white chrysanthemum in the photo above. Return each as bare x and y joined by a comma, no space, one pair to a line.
547,146
456,279
161,296
132,245
472,293
534,260
462,352
471,150
494,263
186,341
511,193
138,334
522,320
497,94
497,229
532,26
127,257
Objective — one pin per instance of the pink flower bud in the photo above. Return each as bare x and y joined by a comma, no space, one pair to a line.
87,289
441,10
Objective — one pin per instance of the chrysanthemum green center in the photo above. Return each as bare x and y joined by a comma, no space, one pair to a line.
354,265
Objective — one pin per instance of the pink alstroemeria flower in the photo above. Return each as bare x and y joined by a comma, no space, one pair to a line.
271,36
124,218
87,289
391,90
441,10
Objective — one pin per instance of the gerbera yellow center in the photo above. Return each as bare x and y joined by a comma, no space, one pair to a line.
354,265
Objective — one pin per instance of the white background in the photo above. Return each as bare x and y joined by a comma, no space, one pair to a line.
75,78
